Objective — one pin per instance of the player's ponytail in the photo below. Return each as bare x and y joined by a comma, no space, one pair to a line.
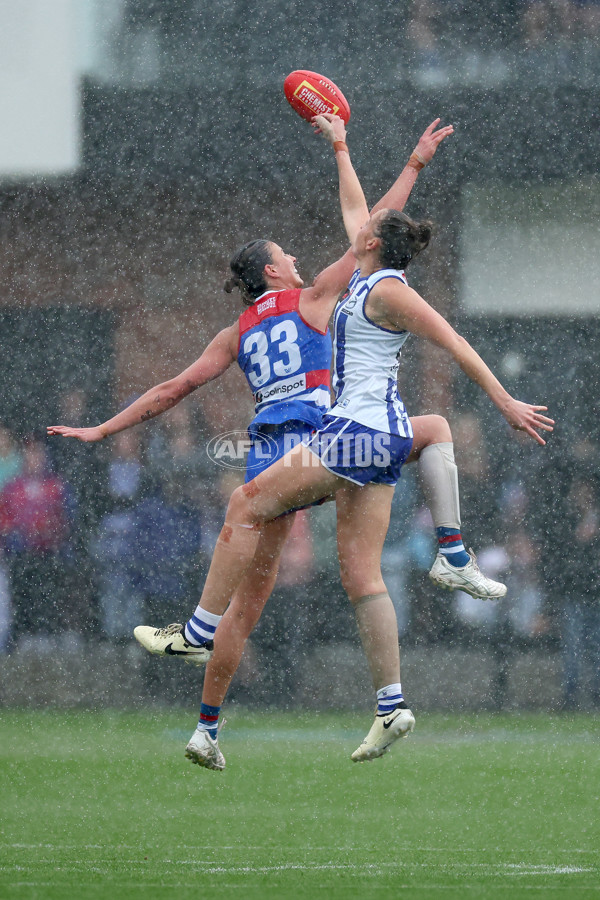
401,238
248,270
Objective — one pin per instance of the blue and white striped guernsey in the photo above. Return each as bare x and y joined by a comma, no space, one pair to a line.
366,359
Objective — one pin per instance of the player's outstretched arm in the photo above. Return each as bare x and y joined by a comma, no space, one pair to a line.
215,360
423,153
402,308
332,280
318,301
355,211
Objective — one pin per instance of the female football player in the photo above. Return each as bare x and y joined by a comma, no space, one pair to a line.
358,452
283,333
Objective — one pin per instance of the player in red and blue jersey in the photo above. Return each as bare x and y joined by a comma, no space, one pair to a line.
371,326
287,362
282,344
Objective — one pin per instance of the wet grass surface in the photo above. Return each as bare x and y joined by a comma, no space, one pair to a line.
104,805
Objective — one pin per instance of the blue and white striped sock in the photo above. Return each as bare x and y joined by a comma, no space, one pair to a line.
200,629
452,547
388,698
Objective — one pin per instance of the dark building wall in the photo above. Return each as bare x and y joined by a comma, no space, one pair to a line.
248,137
173,182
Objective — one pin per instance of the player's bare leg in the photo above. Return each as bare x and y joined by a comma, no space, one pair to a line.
245,610
297,479
363,519
234,629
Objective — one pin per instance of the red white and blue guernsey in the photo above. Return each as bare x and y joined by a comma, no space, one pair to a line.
286,362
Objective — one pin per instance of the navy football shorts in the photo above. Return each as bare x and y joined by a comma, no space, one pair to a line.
357,453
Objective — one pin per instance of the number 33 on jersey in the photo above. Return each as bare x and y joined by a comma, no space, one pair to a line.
286,361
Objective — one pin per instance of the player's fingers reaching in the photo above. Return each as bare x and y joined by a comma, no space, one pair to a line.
430,140
445,132
540,421
82,434
533,433
430,129
322,125
530,429
543,421
528,418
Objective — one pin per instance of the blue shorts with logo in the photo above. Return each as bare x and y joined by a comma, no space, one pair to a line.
273,442
357,453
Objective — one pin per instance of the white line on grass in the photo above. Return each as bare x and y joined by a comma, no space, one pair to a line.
235,886
517,868
526,869
447,851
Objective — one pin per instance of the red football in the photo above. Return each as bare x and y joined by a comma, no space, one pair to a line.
311,95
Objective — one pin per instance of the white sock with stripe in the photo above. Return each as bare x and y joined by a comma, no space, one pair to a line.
388,698
200,629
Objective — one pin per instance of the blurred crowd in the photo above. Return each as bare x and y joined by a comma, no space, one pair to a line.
95,539
429,42
536,41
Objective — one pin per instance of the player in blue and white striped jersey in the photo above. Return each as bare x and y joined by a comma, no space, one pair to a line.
348,456
282,344
367,359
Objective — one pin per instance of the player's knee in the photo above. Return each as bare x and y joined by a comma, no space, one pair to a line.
439,430
240,509
360,583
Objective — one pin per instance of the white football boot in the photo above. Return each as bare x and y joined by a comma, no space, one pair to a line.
384,731
170,641
204,751
467,578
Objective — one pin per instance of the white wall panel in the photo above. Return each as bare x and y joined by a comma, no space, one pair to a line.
39,88
531,249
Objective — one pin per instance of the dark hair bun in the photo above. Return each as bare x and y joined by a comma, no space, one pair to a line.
401,238
231,284
248,270
424,232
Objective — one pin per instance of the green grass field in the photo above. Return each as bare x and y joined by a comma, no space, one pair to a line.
104,805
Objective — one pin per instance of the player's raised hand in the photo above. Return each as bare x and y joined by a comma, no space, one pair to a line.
331,126
82,434
525,417
430,140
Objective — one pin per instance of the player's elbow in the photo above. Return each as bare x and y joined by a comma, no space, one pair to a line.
176,389
456,345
